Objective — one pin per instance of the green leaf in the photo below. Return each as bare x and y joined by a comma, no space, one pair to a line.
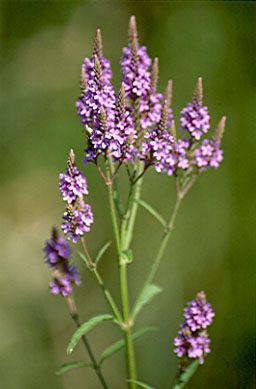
141,384
127,255
148,293
84,259
153,212
102,252
71,365
187,374
115,347
86,327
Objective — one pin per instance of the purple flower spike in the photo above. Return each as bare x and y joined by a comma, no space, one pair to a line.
77,220
208,154
56,249
195,117
72,184
96,93
192,340
199,313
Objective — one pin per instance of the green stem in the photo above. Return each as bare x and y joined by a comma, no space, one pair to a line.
134,209
112,205
121,244
106,292
167,233
96,367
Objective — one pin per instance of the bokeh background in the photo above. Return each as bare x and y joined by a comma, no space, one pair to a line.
212,248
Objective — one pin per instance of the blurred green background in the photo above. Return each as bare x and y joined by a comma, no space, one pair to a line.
212,248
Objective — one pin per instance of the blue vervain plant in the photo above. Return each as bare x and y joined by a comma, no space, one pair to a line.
133,130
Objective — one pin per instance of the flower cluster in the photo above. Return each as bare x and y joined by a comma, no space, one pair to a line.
78,216
208,154
57,255
195,119
192,340
129,126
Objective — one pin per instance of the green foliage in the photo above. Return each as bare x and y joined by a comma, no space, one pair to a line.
153,212
115,347
127,255
141,384
84,258
148,293
102,252
187,374
86,327
71,365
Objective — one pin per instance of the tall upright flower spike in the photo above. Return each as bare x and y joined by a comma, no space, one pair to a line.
96,92
192,340
57,254
122,144
139,82
78,216
195,117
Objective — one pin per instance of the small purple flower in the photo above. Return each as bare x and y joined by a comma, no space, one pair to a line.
208,154
57,252
192,345
77,220
181,148
198,314
61,286
72,184
195,119
135,72
192,340
56,249
158,149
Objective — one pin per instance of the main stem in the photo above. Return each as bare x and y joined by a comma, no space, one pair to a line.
121,245
95,365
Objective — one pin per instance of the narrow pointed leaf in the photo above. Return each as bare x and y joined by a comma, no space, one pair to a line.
147,295
84,258
72,365
187,374
86,327
153,212
141,384
102,252
115,347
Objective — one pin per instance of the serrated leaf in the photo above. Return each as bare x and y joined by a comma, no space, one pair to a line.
86,327
141,384
127,255
147,295
71,365
82,255
153,212
115,347
102,252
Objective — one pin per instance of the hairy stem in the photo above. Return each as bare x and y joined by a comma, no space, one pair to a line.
96,367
